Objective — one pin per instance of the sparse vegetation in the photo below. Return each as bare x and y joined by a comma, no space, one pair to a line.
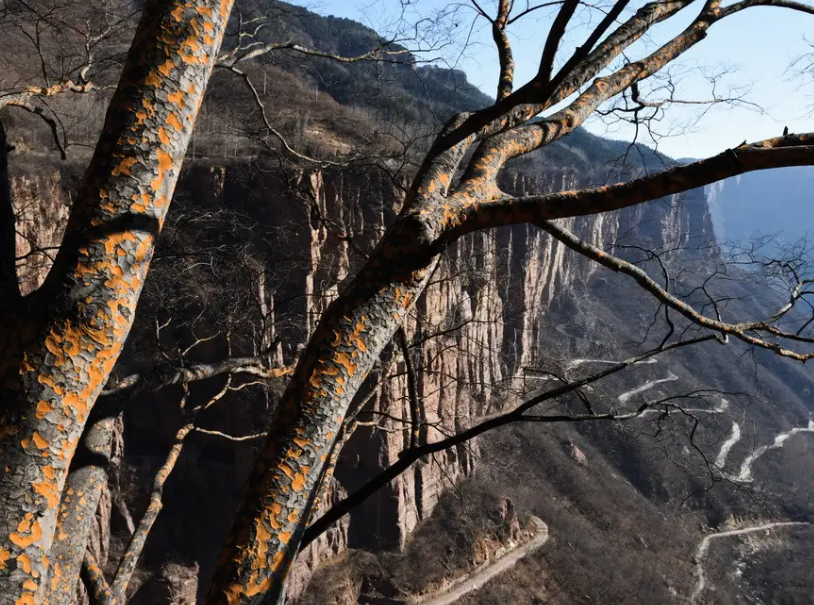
269,273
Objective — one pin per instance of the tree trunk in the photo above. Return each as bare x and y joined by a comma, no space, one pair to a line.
80,501
268,527
58,345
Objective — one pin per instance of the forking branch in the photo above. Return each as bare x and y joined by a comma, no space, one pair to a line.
519,413
456,192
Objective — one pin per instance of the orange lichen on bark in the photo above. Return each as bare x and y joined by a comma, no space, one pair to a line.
82,340
165,163
67,449
24,563
299,481
28,532
165,140
40,441
43,408
178,13
165,69
176,98
27,598
126,165
56,575
344,360
49,490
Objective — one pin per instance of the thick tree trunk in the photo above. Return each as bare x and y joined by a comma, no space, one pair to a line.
280,493
77,511
59,345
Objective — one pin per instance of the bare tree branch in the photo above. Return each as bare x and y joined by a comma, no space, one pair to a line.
409,456
416,408
740,331
98,588
552,42
161,377
792,150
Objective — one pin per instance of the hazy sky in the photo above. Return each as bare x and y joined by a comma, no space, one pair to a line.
759,42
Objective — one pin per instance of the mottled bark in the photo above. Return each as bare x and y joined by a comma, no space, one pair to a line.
284,483
89,470
95,582
59,347
77,509
504,50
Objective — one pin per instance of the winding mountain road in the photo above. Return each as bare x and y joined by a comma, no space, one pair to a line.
577,362
745,473
482,576
703,549
646,387
723,453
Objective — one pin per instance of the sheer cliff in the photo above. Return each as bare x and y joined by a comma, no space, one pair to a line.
478,333
256,247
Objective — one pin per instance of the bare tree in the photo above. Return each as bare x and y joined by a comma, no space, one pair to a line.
455,193
61,342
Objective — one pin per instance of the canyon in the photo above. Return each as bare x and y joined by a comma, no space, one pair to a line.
488,326
254,250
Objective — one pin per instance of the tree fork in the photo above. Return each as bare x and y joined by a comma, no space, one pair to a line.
275,508
59,347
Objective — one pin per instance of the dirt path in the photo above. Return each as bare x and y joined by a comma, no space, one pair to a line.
703,548
576,362
646,387
481,577
745,474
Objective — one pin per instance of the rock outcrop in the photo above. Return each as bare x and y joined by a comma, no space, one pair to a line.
475,334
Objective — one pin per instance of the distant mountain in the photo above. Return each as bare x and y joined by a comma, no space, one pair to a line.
399,88
770,202
405,91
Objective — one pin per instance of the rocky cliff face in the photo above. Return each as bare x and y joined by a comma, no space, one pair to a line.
475,334
41,207
476,330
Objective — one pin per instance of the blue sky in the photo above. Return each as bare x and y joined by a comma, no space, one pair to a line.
758,44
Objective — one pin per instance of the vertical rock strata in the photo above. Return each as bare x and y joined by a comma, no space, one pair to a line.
494,287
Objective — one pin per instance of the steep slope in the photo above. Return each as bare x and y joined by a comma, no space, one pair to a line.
256,239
